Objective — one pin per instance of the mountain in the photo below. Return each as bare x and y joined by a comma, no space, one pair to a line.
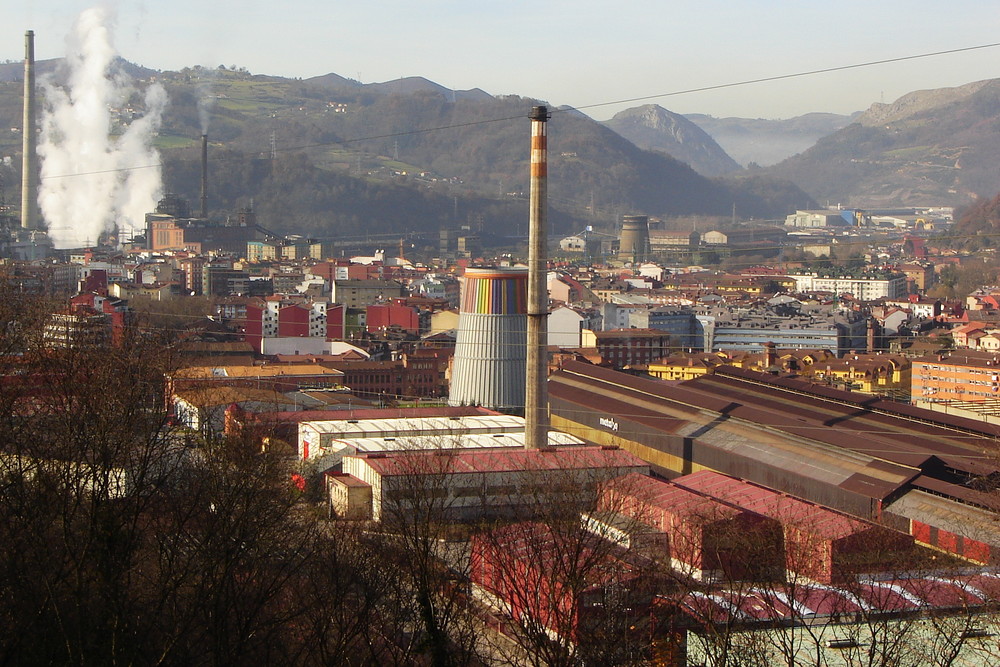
930,147
418,84
654,128
14,71
403,86
329,156
766,142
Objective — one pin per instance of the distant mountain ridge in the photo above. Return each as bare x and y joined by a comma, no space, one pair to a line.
929,147
14,71
329,156
917,102
654,128
402,86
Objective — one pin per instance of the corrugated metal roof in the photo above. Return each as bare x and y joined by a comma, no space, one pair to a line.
788,510
439,442
509,460
861,443
273,370
955,517
380,413
810,600
666,497
414,426
866,485
930,419
988,501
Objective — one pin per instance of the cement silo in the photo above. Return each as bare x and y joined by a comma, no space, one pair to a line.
490,352
633,245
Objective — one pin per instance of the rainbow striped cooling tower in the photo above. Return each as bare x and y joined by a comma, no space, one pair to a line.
490,351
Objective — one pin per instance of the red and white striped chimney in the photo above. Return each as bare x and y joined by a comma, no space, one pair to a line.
536,401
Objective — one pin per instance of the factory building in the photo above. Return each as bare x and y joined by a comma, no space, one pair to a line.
899,619
171,227
708,540
819,544
340,436
490,351
515,569
284,425
470,483
821,218
924,473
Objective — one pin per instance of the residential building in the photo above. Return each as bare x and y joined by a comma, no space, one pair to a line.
632,347
864,285
356,293
961,376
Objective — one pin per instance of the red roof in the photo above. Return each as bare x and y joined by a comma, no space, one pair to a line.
785,509
781,602
506,460
656,494
379,413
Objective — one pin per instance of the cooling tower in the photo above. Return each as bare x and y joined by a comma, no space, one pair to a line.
489,365
633,244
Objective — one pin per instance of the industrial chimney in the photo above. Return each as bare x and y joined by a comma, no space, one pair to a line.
536,402
29,173
204,177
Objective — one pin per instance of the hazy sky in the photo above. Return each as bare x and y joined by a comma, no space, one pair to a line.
580,53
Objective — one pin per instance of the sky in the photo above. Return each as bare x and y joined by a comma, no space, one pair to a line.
599,56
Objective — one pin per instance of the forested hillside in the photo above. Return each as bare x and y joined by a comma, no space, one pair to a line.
330,156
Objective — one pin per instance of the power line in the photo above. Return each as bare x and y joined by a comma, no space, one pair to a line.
781,77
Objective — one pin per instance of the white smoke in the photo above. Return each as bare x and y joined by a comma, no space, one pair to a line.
93,182
206,96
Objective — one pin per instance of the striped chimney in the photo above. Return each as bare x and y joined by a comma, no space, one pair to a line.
536,401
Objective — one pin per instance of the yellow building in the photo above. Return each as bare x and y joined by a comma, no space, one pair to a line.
685,366
867,373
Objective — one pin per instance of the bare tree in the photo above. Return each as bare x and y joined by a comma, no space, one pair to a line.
420,536
573,578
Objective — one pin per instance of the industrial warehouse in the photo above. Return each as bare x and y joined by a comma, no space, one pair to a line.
923,473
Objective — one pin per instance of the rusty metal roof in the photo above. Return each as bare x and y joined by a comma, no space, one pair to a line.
884,446
787,510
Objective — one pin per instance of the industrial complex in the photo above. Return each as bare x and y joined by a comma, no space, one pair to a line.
631,463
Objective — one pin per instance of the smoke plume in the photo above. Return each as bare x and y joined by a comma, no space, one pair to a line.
98,167
206,97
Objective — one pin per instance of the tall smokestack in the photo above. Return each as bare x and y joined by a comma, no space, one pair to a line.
204,176
29,173
536,398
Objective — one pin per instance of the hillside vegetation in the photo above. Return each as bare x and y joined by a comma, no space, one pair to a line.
330,156
933,147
